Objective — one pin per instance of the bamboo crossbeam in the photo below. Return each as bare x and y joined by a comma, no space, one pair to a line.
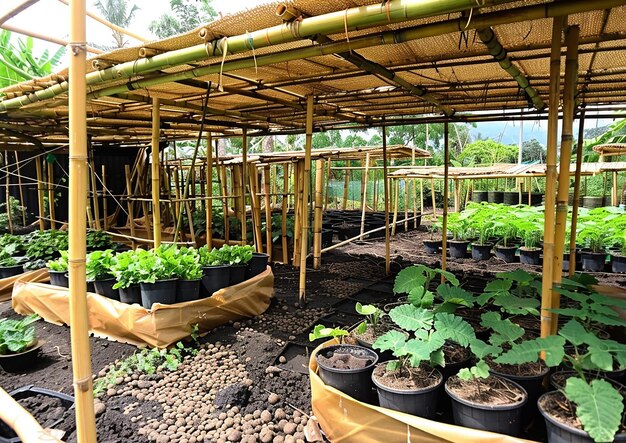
574,222
46,38
16,10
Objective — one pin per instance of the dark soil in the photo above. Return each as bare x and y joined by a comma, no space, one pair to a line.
409,379
524,370
493,390
454,353
561,409
48,411
343,360
369,336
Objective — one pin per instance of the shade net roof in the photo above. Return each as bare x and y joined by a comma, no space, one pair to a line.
263,88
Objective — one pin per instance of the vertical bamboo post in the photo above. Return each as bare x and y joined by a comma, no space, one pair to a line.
236,191
79,320
346,183
21,190
444,230
434,200
317,221
579,159
284,208
268,210
7,194
209,191
225,207
551,177
363,183
529,185
40,200
244,167
94,194
305,199
256,207
51,209
131,206
457,203
274,180
105,205
614,201
327,195
422,196
406,204
364,193
569,91
386,195
396,189
297,203
156,182
414,182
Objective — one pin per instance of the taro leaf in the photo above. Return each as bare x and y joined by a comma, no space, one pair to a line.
481,370
505,331
437,358
481,349
454,328
525,352
411,317
553,347
436,340
446,307
416,295
427,300
365,309
599,407
498,286
361,328
602,352
517,305
391,340
576,296
456,295
418,351
449,276
574,332
408,279
482,299
571,312
519,276
608,301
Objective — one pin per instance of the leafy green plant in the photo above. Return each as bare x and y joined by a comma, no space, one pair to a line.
415,281
321,331
506,231
99,240
13,244
531,238
99,265
372,317
44,245
237,254
483,230
60,264
213,257
189,264
515,292
153,265
125,269
6,259
17,335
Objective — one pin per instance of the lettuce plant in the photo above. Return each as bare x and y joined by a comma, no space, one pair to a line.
17,335
189,267
60,264
99,265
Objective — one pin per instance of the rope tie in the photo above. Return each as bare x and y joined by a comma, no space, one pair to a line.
345,27
224,51
250,41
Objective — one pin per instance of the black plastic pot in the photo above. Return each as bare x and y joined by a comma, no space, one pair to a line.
21,361
59,278
214,278
432,246
10,271
188,290
131,294
347,230
506,253
357,383
105,288
327,237
479,196
495,196
532,384
418,402
458,249
593,261
161,291
257,264
511,198
503,419
530,256
481,252
593,202
237,274
7,435
618,263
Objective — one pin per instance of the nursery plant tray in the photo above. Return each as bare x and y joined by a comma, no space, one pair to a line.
297,358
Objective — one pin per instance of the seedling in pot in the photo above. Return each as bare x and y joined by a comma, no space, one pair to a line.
415,281
514,292
321,331
372,317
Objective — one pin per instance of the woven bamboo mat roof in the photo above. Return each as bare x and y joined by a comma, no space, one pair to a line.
611,149
503,170
264,88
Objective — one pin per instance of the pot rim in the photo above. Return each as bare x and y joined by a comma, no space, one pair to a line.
472,404
348,371
407,391
38,344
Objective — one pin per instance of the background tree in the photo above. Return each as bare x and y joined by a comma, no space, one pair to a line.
117,12
483,152
533,150
186,15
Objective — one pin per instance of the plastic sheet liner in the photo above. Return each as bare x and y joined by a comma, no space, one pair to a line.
6,284
345,420
160,327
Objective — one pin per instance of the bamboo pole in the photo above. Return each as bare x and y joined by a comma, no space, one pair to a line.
297,202
614,201
306,171
256,207
317,222
396,188
346,183
94,194
45,38
156,187
7,194
51,211
457,197
21,190
362,184
386,210
79,320
579,157
130,204
268,210
551,177
434,200
274,180
569,91
105,205
364,192
444,230
209,191
284,209
90,223
244,165
225,206
40,200
22,422
406,204
327,195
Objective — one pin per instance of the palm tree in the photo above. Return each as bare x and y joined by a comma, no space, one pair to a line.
116,12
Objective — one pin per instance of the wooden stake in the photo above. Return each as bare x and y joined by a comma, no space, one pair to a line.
327,196
156,183
395,206
209,191
444,230
364,192
285,207
21,189
457,195
244,167
8,194
386,192
256,207
317,221
406,205
346,182
614,200
551,177
40,199
51,209
305,199
297,210
579,157
105,204
268,211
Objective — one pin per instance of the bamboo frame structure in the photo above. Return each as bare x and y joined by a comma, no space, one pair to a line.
209,191
156,172
306,175
574,222
386,192
444,226
317,223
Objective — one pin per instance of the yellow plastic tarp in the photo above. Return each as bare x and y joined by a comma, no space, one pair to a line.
345,420
160,327
6,284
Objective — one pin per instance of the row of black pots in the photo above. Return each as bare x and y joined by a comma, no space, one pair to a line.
508,198
11,271
504,419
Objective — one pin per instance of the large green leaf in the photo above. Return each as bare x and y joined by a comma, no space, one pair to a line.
454,328
481,349
599,407
456,295
505,331
417,351
574,332
391,341
498,286
408,279
554,348
411,317
519,276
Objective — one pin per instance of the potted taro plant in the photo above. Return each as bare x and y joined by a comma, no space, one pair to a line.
594,256
189,275
481,248
618,256
9,266
237,257
345,367
215,271
530,253
57,269
99,271
410,383
506,250
125,270
157,270
367,331
432,244
459,243
19,346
